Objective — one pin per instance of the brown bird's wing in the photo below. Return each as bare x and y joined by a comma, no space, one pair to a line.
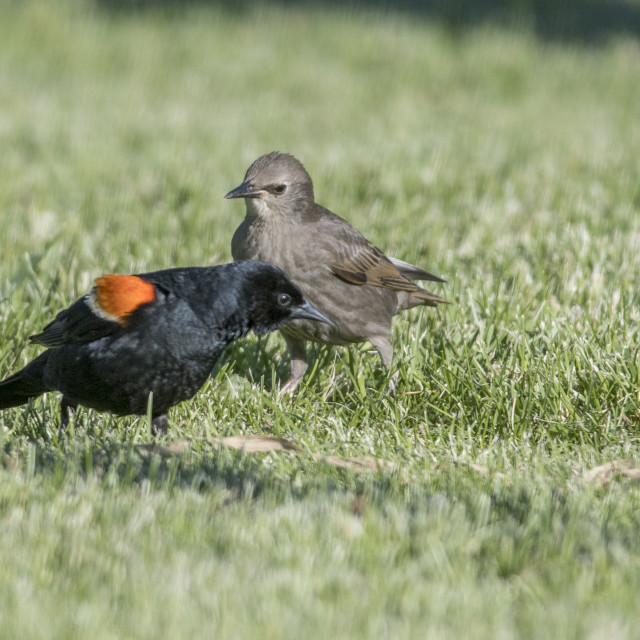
359,262
414,273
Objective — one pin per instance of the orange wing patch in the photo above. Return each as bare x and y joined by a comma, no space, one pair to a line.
116,297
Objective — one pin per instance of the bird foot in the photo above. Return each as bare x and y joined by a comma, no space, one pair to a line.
393,382
288,387
67,411
160,425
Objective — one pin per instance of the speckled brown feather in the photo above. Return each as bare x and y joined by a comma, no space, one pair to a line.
371,266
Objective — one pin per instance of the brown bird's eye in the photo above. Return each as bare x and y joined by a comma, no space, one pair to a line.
280,189
284,300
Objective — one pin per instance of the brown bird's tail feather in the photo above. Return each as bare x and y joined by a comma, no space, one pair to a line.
428,299
417,297
24,384
411,272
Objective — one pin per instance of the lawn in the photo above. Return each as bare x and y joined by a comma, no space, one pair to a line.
503,160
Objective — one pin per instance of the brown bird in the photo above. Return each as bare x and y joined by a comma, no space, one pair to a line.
337,269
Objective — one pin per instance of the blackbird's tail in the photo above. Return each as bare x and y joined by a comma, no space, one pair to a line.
24,384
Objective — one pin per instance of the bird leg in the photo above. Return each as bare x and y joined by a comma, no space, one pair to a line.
385,349
160,425
298,361
66,410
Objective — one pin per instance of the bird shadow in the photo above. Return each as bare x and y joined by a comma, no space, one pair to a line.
235,475
229,477
259,360
264,360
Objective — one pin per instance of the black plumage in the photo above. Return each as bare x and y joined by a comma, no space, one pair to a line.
159,333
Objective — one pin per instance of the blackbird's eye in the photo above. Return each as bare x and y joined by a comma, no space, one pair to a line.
280,189
284,299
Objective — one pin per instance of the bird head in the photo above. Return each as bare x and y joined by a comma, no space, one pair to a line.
276,183
274,299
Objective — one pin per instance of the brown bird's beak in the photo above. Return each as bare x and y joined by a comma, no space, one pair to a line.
245,190
307,311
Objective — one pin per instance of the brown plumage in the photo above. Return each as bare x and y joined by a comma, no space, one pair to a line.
334,265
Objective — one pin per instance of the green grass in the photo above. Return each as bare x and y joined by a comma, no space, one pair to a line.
506,164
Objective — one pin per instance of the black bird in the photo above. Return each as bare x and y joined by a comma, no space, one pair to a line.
348,279
158,333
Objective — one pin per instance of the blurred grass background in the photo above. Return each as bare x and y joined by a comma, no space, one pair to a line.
494,143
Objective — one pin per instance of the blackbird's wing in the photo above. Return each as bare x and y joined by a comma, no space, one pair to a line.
104,311
79,323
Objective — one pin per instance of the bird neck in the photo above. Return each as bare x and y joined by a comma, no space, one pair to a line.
257,208
291,209
234,328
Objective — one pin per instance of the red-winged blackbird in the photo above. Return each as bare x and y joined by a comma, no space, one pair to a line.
158,333
352,282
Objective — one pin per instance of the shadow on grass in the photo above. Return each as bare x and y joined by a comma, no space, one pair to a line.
203,467
588,21
265,361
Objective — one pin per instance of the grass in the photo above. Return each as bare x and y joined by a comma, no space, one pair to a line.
507,164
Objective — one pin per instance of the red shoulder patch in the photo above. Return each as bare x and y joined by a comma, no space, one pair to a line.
119,296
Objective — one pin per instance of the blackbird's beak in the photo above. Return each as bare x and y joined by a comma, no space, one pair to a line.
307,311
245,190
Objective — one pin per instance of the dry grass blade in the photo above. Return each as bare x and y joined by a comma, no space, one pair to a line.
260,444
178,446
256,444
602,473
485,471
359,463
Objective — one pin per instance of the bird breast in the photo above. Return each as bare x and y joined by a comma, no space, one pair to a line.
358,311
259,239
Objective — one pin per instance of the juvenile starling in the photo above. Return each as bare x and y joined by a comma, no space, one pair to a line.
337,269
